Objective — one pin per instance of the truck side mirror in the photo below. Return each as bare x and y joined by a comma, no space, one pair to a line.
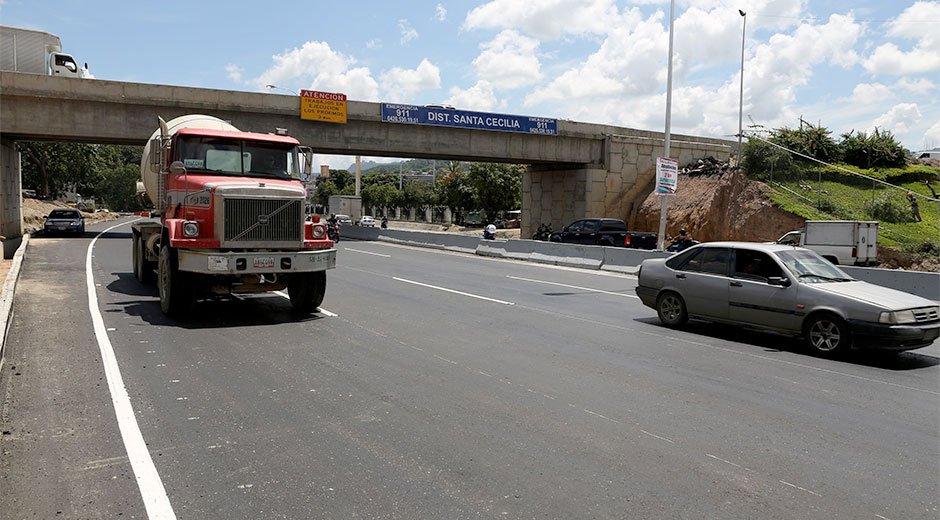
177,168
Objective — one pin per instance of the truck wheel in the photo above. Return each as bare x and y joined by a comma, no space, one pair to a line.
306,291
143,270
176,292
135,257
827,335
671,310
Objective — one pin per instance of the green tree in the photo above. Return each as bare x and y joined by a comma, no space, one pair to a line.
878,149
49,168
417,194
117,188
810,140
497,187
454,191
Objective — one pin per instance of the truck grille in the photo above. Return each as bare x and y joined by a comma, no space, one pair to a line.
267,220
925,314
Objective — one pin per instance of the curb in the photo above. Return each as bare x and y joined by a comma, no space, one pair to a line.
7,293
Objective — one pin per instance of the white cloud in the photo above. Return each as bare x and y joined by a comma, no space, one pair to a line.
509,61
913,23
356,83
545,19
408,33
932,136
921,86
402,84
440,12
234,72
309,61
374,43
899,119
870,93
478,97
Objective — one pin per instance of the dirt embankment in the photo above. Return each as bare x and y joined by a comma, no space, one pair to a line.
726,207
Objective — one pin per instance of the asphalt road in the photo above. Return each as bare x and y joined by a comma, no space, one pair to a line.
442,386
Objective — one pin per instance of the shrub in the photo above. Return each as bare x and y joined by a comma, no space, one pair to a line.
887,209
879,149
763,161
813,141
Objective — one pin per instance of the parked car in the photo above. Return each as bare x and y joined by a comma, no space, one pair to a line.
64,221
367,221
785,289
603,232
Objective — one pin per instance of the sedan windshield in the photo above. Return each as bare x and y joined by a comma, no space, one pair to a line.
235,157
811,268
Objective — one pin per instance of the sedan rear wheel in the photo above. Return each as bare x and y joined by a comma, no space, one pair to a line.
671,309
827,335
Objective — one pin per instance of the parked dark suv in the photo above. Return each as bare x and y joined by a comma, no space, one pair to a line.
64,221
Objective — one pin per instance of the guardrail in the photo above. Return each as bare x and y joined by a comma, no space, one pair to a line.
616,259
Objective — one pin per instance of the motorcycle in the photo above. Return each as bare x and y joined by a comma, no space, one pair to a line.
543,232
332,232
384,223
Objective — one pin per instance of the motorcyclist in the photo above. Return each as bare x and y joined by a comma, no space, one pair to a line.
385,222
489,232
681,242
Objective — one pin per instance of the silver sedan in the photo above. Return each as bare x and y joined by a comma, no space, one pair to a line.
788,290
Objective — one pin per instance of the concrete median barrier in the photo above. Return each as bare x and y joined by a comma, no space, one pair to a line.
926,285
570,255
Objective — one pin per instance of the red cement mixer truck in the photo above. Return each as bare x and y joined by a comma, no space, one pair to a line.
232,216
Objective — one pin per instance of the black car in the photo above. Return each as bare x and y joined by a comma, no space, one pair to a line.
603,232
64,221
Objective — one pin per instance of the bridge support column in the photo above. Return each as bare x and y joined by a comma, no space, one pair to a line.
11,202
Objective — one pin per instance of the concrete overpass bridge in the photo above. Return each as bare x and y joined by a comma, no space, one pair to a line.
585,170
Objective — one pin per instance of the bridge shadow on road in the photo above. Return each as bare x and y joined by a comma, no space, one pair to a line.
773,343
210,313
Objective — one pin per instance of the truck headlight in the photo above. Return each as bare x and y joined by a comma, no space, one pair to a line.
190,229
318,232
897,317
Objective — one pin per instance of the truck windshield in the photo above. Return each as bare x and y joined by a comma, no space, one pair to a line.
812,268
235,157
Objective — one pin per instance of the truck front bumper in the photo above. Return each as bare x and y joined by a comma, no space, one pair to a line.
256,262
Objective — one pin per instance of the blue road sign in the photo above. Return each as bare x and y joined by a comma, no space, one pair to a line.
420,115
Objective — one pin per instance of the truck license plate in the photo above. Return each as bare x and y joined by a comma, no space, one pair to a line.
264,262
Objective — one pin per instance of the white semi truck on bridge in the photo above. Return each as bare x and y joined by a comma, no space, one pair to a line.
232,216
36,52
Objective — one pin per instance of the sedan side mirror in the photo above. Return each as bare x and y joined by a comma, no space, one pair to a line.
779,280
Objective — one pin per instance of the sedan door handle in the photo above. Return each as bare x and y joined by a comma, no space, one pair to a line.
680,275
737,284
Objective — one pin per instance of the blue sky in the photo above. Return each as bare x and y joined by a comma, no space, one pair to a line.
849,65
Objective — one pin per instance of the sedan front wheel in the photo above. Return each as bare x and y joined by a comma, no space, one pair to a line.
827,335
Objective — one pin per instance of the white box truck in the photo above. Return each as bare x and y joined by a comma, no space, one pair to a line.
842,242
35,52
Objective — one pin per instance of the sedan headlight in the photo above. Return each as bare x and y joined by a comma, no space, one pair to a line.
190,229
897,317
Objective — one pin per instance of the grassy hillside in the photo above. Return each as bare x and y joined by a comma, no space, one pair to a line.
828,193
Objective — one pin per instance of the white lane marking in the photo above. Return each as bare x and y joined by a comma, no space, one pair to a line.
602,416
366,252
445,359
801,489
156,501
321,310
494,300
482,373
658,437
573,287
881,517
725,461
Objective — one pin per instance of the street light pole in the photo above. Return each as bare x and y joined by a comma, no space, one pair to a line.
269,87
664,199
741,97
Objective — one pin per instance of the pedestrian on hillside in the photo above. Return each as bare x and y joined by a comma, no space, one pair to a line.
915,207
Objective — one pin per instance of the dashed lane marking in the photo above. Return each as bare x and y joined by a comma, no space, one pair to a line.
366,252
588,289
429,286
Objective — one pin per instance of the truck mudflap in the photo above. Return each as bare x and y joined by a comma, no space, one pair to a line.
256,262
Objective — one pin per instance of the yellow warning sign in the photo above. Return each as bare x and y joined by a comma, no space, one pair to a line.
323,106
